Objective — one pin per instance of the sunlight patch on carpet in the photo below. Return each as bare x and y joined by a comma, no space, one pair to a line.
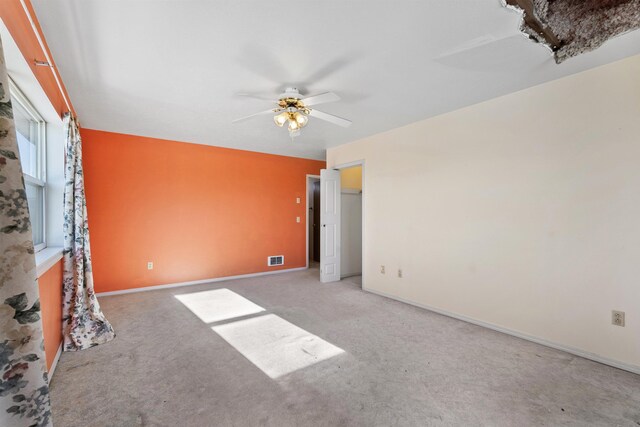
274,345
219,304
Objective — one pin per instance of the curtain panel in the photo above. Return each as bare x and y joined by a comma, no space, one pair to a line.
84,324
24,389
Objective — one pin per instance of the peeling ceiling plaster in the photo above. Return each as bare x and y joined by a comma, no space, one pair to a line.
573,27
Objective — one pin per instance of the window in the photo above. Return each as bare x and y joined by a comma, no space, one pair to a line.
30,130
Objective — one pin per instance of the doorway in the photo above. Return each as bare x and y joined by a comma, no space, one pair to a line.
351,224
342,222
313,221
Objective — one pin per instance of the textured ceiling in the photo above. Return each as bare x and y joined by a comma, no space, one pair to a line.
170,69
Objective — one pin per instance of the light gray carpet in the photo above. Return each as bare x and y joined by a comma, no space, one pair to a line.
401,366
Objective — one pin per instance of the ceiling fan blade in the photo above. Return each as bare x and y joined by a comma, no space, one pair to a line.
257,96
330,118
270,111
329,69
320,98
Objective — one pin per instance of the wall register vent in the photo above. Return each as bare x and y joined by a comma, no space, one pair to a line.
275,260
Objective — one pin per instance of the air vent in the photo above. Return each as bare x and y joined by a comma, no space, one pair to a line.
275,260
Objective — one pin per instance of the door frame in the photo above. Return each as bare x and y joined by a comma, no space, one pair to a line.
360,162
309,178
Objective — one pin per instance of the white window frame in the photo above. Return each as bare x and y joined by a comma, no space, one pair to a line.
41,155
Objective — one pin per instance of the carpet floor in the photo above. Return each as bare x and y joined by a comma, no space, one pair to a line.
364,361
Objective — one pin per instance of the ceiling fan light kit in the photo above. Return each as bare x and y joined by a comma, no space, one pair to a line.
295,119
293,110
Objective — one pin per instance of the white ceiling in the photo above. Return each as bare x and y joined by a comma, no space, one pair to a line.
170,69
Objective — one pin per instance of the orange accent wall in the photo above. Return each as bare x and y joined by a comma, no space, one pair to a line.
195,211
17,22
50,285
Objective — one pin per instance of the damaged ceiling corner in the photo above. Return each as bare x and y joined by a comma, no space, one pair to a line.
572,27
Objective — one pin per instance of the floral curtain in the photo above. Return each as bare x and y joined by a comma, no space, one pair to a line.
84,325
24,387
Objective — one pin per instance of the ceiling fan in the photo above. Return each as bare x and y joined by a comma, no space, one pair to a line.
294,110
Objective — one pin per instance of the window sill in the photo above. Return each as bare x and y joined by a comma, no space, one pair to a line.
47,258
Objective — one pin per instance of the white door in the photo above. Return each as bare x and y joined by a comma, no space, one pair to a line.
330,228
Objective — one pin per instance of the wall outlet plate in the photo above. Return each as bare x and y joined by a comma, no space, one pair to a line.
617,318
150,265
400,273
382,269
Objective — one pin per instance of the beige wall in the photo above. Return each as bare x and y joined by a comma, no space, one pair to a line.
522,212
351,178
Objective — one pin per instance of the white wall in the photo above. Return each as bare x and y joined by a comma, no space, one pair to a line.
350,233
522,212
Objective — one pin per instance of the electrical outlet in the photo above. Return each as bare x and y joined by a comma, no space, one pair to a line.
297,219
150,265
298,200
400,273
382,269
617,318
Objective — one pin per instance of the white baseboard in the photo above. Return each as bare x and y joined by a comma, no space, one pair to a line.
197,282
576,351
55,361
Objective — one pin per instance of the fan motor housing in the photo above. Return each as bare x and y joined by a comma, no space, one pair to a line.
287,103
